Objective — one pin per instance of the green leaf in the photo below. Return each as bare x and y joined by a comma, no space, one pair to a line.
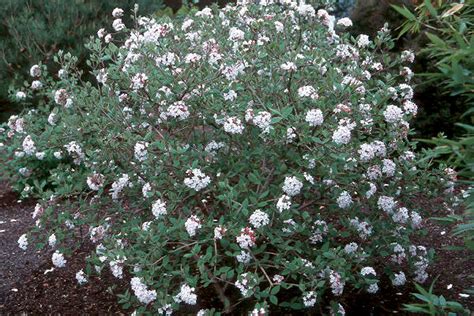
405,12
275,290
436,40
430,8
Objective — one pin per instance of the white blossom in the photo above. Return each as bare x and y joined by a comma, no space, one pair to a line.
186,295
196,179
244,257
81,277
192,224
344,200
393,114
95,181
143,294
35,71
159,208
386,203
292,186
314,117
52,240
307,92
140,151
117,13
363,41
399,279
233,125
284,203
246,239
58,260
309,299
259,219
23,242
118,25
344,22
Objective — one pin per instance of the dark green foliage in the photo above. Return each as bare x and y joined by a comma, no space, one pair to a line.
432,304
33,31
444,37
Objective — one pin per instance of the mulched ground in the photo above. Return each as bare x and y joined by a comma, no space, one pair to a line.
26,288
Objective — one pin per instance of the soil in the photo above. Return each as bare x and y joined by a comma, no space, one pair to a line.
30,286
27,287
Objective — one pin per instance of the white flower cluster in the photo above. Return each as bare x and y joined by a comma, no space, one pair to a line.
35,71
186,295
244,284
219,232
337,284
75,150
363,228
196,180
141,291
283,203
344,200
81,277
263,120
314,117
366,271
244,257
292,186
139,81
119,185
140,151
399,279
246,239
309,299
368,151
259,219
351,248
386,203
363,41
29,146
307,92
342,135
320,229
23,242
192,224
52,240
58,260
393,114
158,208
95,181
116,267
178,110
233,125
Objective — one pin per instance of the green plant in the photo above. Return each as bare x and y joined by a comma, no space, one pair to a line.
38,29
433,304
448,27
459,154
259,153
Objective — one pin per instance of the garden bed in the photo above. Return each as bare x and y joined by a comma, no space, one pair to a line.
27,287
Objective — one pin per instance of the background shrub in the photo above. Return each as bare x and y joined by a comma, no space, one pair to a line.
442,30
36,30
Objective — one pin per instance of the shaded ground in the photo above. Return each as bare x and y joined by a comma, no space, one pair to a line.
25,287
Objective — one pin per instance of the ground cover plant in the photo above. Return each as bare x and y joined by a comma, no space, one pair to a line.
258,152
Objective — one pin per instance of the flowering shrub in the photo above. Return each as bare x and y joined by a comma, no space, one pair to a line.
256,151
